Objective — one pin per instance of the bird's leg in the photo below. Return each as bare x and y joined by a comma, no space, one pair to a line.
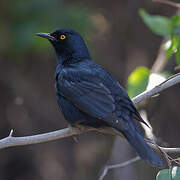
75,138
80,127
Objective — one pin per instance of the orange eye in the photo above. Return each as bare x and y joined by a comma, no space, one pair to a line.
62,37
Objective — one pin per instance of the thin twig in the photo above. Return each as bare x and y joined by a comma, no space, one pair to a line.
121,165
170,150
176,161
164,85
11,132
176,5
21,141
161,150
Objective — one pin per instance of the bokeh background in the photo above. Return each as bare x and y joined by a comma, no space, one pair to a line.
117,39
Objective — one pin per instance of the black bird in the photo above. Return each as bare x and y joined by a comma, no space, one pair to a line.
90,96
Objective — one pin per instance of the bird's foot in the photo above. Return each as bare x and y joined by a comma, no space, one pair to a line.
75,138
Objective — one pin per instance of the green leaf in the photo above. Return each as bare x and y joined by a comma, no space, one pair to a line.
175,172
165,27
164,174
174,48
171,49
169,174
177,30
160,25
178,50
175,21
137,81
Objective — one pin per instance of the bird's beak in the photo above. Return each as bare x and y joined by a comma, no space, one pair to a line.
47,36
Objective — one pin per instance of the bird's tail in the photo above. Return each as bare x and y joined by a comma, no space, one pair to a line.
142,148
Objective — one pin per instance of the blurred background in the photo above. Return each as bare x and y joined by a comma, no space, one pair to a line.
120,41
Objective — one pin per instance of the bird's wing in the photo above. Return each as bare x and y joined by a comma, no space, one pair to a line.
86,93
86,89
126,103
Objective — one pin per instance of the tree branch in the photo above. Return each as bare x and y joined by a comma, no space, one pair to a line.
40,138
121,165
71,131
170,3
175,79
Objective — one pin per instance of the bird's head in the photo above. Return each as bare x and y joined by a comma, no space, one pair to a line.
67,43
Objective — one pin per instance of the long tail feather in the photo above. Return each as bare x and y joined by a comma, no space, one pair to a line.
142,148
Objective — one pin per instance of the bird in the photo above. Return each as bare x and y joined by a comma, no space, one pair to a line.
90,96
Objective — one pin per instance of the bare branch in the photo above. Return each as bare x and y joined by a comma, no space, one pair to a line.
170,3
121,165
164,85
170,150
35,139
20,141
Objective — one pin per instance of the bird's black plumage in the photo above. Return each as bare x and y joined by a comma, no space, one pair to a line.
90,96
